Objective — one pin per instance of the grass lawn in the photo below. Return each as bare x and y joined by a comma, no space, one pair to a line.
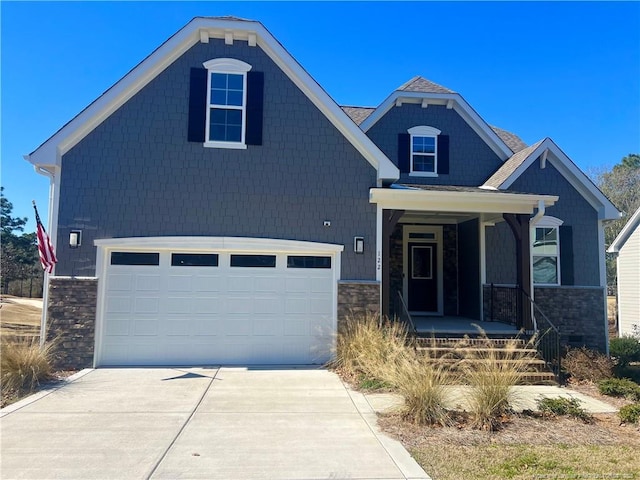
17,319
526,447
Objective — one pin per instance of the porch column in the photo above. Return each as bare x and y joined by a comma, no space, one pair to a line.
519,224
389,221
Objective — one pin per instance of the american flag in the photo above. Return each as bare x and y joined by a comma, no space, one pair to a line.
45,249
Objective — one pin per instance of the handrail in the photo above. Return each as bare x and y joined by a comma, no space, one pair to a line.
548,343
404,314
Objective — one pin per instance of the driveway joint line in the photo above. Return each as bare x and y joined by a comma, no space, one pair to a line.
175,439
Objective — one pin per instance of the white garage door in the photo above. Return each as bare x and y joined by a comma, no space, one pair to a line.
176,307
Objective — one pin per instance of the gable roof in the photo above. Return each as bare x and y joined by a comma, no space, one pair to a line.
421,84
547,150
625,233
201,29
419,90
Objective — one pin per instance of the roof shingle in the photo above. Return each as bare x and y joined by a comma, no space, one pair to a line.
421,84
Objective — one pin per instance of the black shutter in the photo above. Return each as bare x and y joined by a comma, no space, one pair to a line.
566,255
404,152
255,94
197,105
443,154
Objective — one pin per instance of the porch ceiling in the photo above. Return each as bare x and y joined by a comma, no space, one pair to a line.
458,200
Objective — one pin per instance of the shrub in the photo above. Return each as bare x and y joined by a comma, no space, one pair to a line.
491,373
562,406
625,350
583,364
630,413
364,346
620,387
422,383
23,363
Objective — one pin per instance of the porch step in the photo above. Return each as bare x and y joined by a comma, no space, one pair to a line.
456,352
502,342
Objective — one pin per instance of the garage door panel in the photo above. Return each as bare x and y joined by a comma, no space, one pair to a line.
239,283
179,314
296,306
237,325
320,306
118,327
208,283
145,327
117,304
120,282
206,305
146,283
144,305
264,325
239,304
206,327
180,283
296,326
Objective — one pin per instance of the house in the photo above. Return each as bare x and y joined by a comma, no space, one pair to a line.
627,246
215,205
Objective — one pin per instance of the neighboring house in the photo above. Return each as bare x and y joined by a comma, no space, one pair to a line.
217,206
627,246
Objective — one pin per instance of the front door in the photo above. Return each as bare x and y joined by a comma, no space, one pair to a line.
422,284
422,247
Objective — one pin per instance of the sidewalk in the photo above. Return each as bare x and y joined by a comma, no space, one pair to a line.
525,398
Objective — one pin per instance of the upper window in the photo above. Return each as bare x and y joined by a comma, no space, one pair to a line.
424,151
545,251
226,103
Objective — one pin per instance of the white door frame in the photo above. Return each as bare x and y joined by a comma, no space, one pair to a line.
407,230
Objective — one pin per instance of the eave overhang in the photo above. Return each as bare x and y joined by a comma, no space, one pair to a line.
489,201
625,233
548,151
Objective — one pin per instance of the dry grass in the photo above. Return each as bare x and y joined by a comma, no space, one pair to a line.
528,447
17,319
365,347
492,372
422,383
23,364
583,364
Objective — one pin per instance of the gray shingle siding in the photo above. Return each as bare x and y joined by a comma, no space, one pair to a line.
571,207
471,161
136,174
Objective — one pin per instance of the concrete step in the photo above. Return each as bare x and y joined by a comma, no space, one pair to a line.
477,352
472,342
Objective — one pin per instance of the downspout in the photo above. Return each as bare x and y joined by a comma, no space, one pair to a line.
45,284
532,223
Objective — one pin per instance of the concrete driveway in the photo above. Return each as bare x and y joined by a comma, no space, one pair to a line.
199,423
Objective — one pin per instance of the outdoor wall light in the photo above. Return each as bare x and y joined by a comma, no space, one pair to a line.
75,238
358,244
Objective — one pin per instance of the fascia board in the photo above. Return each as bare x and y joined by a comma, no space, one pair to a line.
68,136
236,244
461,106
468,202
576,177
625,233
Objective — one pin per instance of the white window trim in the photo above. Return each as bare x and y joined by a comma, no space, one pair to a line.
423,131
236,67
548,222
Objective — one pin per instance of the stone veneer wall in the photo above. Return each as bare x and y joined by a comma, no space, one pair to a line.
71,319
578,312
357,297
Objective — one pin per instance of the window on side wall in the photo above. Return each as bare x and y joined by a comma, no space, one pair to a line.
225,104
552,252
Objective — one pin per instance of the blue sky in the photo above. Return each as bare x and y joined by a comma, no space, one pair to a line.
567,70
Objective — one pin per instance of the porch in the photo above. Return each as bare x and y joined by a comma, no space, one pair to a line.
453,326
434,255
